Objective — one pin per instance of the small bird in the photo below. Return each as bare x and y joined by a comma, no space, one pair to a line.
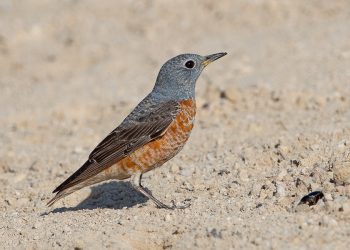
153,133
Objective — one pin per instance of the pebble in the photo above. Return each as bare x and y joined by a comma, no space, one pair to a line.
37,225
174,168
341,173
328,197
223,191
342,145
311,198
167,217
281,191
187,186
281,175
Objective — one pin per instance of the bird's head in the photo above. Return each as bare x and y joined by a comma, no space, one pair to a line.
177,77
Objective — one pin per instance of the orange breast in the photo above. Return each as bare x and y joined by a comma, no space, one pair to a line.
157,152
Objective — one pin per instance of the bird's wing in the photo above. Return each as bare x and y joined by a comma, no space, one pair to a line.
124,140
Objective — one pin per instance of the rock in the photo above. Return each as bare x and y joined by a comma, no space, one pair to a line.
342,145
174,168
187,186
167,217
281,174
311,198
267,190
328,197
37,225
341,173
281,191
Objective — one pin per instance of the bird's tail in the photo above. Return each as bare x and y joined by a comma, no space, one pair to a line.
66,188
61,194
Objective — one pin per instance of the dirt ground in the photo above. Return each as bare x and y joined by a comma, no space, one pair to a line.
273,123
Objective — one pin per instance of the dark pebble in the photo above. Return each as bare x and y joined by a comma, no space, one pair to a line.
311,198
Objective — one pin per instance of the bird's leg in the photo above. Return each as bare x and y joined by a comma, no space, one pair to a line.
136,183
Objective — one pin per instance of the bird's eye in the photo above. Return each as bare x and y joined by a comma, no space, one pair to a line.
189,64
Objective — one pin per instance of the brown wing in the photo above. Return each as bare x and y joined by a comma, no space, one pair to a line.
124,140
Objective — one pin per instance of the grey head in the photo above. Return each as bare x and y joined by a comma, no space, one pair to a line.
177,77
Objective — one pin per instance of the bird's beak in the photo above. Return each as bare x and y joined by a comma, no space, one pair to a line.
212,58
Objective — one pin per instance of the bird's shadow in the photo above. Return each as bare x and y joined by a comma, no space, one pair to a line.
115,195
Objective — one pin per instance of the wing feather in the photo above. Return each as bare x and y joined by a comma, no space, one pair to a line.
124,140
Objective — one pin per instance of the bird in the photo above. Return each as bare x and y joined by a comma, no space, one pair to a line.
153,133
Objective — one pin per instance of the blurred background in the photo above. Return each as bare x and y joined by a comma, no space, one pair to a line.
272,114
54,49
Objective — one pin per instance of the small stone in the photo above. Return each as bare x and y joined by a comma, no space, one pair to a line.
342,173
223,191
342,145
284,149
281,191
174,169
37,225
167,217
328,197
311,198
187,186
255,190
281,175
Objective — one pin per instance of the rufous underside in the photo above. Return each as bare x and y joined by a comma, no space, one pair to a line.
157,152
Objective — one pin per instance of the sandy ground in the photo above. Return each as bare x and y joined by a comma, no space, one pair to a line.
273,123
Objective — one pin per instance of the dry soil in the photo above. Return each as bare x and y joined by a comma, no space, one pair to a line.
273,123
